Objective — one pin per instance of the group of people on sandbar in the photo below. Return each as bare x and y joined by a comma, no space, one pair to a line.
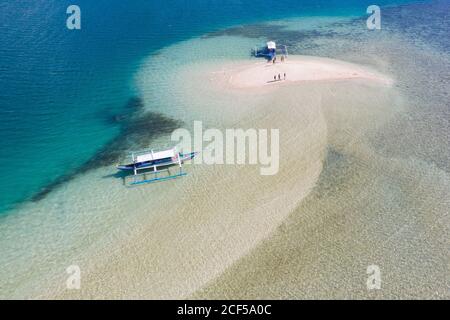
278,78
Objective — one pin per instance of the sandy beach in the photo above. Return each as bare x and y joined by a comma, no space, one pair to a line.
223,212
362,181
297,69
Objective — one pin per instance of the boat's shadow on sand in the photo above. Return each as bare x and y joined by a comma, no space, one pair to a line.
136,125
126,177
118,175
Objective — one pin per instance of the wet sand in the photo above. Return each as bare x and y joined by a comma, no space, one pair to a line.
354,188
222,213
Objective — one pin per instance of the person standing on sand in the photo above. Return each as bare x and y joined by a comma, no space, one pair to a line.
279,76
285,76
275,78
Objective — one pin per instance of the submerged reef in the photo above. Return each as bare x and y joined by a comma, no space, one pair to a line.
137,129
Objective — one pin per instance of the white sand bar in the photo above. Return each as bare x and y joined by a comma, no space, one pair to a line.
300,68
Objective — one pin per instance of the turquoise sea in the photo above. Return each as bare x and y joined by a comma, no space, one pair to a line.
62,91
364,167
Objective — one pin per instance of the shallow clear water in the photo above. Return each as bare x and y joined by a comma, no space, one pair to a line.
83,95
61,90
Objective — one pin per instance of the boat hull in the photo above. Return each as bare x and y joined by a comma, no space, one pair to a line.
158,163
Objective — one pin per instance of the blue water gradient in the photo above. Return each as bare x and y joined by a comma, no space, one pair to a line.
60,88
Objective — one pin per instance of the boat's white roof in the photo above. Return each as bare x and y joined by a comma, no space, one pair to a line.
271,45
155,155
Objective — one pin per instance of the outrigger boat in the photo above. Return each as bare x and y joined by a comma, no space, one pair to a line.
147,162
